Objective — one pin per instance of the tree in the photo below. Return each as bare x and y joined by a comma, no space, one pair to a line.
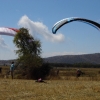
29,50
27,46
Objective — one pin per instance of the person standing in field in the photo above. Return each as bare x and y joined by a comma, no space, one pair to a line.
78,73
57,71
12,69
0,70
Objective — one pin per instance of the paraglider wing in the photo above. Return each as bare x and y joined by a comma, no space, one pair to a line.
8,31
71,19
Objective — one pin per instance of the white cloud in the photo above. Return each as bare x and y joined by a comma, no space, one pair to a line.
40,28
6,52
2,43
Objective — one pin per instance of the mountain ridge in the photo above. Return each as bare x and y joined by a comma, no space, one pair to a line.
84,58
71,59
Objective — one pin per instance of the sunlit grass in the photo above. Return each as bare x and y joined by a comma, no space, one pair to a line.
65,86
52,90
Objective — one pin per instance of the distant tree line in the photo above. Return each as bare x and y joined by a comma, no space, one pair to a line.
78,65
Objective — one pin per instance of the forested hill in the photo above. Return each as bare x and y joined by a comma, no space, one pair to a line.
71,59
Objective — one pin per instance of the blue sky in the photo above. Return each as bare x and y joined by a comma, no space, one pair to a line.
39,16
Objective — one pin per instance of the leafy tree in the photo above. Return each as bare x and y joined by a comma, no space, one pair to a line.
29,50
28,47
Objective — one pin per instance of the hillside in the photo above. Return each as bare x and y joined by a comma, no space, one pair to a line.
85,58
71,59
6,62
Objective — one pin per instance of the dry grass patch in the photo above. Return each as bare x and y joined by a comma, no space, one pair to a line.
52,90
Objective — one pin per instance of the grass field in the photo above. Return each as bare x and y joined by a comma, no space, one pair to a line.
52,90
64,87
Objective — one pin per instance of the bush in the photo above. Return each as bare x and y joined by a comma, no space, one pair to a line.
34,72
39,72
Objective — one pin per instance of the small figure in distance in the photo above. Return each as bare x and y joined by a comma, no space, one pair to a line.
40,80
0,70
78,73
12,69
58,72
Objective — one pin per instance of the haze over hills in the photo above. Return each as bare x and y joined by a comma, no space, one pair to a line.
71,59
6,62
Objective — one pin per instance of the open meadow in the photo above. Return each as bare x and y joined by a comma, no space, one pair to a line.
64,87
52,90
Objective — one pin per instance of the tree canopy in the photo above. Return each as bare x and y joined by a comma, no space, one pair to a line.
31,65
